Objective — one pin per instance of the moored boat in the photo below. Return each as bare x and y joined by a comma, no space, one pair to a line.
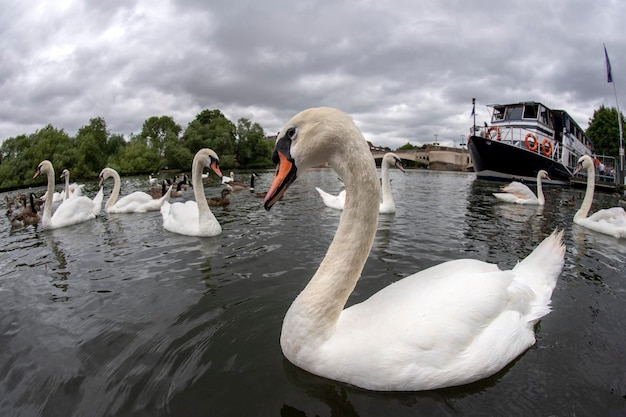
524,138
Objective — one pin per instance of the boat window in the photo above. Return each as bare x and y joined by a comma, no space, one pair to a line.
530,111
514,113
498,113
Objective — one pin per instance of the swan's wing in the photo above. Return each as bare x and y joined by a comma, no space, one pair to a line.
72,211
506,197
97,202
181,218
335,202
130,202
611,221
519,190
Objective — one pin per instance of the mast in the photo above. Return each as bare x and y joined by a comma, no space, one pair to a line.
610,79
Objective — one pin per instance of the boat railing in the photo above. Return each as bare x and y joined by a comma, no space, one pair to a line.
524,138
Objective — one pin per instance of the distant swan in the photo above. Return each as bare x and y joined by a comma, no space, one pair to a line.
137,202
72,211
519,193
71,190
194,218
611,221
388,205
448,325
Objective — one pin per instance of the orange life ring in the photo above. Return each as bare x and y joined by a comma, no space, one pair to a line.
546,147
535,143
491,129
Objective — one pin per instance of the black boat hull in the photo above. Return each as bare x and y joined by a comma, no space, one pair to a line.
499,161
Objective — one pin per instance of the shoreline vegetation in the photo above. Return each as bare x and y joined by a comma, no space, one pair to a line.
161,145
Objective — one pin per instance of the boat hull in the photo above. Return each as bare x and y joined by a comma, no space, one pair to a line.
499,161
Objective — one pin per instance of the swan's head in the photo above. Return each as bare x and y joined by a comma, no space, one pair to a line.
104,174
208,158
45,167
311,138
391,159
65,173
543,174
584,162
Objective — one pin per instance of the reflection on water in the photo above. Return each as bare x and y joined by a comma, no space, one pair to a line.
119,317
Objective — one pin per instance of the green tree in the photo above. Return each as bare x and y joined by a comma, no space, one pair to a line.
135,158
603,130
92,143
251,147
407,147
211,129
158,131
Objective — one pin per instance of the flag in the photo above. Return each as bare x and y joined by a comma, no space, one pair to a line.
609,76
473,109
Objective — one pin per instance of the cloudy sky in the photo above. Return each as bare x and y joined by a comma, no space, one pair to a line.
405,70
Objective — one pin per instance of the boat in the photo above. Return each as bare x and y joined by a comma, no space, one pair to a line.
524,138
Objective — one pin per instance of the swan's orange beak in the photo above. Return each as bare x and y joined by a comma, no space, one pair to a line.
215,166
37,172
399,165
578,169
285,176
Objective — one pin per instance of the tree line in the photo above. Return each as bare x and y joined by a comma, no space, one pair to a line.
161,144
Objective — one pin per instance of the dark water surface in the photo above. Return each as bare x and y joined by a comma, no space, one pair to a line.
118,317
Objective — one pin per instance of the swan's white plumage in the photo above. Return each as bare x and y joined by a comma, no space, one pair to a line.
71,190
451,324
519,193
611,221
194,218
387,205
72,211
333,201
136,202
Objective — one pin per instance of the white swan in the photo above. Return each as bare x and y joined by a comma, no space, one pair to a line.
136,202
194,218
388,205
448,325
71,190
611,221
72,211
519,193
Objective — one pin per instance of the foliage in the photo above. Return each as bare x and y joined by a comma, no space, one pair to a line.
407,147
603,130
159,145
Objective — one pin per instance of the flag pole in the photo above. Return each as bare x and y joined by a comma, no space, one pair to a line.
609,77
474,114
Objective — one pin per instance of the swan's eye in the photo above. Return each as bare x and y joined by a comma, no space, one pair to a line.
291,133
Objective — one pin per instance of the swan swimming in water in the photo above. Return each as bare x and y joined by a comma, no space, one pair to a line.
448,325
611,221
388,205
194,218
71,211
137,202
519,193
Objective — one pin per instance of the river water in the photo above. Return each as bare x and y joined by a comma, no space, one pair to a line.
118,317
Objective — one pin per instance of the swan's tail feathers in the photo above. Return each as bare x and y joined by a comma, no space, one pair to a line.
167,195
540,270
323,193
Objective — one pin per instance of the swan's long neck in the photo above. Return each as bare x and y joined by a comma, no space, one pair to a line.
47,209
312,317
67,185
386,183
205,216
588,200
116,190
540,196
